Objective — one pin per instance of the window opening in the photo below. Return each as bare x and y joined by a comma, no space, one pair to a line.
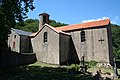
83,36
45,36
13,44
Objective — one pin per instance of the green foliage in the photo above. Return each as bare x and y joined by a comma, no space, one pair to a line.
56,24
73,67
92,64
12,11
31,25
41,73
116,40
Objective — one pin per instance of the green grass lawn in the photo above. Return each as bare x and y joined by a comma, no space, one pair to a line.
41,71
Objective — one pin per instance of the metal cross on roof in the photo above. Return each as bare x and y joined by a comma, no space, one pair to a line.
101,40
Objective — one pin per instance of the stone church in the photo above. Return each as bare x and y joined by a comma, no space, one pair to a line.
68,44
19,41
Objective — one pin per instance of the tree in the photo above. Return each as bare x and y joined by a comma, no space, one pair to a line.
116,40
30,25
10,12
56,24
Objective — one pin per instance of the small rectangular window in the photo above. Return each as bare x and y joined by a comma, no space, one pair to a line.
45,36
14,36
82,36
44,19
13,44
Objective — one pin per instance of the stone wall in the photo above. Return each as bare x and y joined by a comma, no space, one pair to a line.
14,37
75,38
10,59
24,44
103,47
92,48
73,53
97,50
21,42
47,52
64,48
110,44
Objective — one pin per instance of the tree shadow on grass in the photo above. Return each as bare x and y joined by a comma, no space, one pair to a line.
41,73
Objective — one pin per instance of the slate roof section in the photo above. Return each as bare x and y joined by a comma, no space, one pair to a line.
21,32
99,23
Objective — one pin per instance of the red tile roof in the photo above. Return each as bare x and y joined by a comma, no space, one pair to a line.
99,23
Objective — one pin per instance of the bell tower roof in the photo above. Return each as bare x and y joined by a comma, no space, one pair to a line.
44,13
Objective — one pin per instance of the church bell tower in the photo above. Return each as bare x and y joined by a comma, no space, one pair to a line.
44,18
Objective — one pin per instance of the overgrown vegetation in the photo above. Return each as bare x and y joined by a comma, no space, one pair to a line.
73,68
30,25
116,40
41,71
92,63
56,24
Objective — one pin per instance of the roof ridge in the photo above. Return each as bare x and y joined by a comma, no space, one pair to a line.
21,32
96,20
51,27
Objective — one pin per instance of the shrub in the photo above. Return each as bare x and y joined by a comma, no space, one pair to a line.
92,63
73,68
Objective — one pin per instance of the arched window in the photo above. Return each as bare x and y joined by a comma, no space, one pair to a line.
14,36
82,36
45,36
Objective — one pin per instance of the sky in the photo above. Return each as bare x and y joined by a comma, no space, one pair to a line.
77,11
